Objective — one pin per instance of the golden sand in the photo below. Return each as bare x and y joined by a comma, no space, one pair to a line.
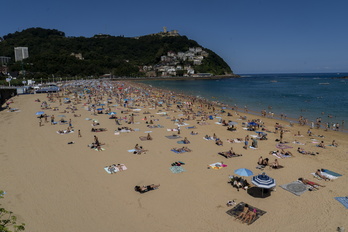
55,186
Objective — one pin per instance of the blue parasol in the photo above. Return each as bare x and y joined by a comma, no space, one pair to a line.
243,172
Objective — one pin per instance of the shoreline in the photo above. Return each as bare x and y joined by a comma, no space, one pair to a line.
258,113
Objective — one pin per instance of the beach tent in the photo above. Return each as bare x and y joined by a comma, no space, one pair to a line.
263,181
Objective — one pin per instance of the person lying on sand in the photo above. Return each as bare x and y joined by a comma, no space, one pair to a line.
313,184
219,142
182,149
229,154
302,151
318,173
98,129
143,189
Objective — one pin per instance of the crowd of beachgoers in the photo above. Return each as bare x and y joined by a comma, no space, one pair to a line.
260,149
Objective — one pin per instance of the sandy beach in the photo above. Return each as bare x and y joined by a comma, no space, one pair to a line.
52,185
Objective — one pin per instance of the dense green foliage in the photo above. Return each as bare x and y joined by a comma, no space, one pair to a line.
50,53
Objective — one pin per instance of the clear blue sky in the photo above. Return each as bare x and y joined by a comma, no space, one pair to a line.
252,36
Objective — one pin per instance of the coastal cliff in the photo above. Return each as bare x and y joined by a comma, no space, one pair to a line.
157,55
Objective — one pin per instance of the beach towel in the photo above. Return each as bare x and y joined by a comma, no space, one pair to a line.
332,173
343,201
177,169
235,211
173,136
298,143
122,168
252,147
117,133
190,127
148,132
331,177
184,124
282,146
103,149
217,165
65,132
296,187
182,142
227,155
210,138
107,169
132,150
177,152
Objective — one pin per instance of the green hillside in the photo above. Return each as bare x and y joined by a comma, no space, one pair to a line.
52,53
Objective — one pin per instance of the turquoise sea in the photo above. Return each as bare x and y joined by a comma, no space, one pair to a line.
314,95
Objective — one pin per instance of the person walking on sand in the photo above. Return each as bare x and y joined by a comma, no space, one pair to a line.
52,119
79,134
281,135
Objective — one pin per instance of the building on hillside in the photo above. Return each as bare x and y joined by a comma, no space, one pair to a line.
171,54
4,60
21,53
197,62
77,56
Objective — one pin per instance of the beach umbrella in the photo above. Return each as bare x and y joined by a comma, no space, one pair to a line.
66,98
39,113
112,113
99,109
263,181
252,124
243,172
102,104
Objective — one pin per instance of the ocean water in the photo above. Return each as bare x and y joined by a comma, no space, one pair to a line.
309,95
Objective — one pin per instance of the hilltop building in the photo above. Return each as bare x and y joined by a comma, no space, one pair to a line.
21,53
163,33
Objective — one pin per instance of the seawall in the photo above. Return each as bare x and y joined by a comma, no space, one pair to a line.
6,93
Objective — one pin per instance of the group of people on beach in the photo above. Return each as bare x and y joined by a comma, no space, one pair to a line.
203,115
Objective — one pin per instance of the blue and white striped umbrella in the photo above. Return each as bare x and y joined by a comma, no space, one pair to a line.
263,181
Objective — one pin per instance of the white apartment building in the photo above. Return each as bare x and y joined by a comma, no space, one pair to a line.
21,53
